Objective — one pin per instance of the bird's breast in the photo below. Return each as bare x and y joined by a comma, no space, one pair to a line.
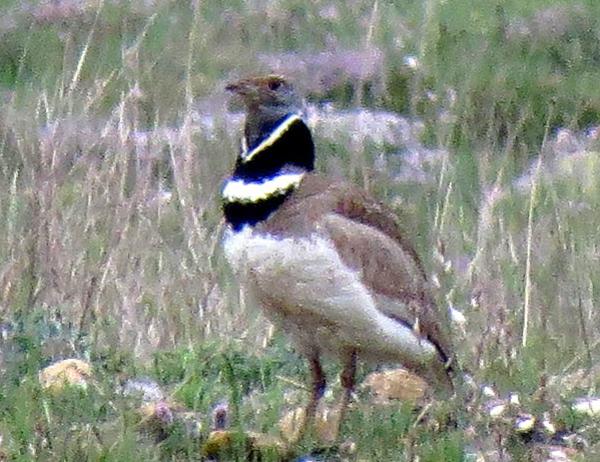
299,267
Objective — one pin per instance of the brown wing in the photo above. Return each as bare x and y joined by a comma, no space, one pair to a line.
356,205
369,239
394,276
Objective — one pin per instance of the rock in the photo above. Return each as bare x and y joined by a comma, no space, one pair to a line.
589,406
326,424
144,388
222,444
68,372
552,453
396,384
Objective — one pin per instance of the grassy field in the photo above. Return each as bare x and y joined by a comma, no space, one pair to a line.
115,138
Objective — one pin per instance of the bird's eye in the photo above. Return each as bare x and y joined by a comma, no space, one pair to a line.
274,85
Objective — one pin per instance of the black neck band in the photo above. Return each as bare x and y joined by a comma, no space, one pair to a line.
292,150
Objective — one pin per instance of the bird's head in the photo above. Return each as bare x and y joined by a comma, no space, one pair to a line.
271,94
267,100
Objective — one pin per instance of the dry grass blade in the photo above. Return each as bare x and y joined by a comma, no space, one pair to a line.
532,202
527,297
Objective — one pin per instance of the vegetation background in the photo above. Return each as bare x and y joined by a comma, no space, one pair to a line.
114,141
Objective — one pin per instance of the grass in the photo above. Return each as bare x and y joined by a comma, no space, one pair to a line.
109,191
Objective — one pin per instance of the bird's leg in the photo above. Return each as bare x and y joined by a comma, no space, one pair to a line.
318,384
348,381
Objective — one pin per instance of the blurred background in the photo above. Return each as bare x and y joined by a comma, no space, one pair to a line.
478,122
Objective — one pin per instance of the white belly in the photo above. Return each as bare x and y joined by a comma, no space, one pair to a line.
303,287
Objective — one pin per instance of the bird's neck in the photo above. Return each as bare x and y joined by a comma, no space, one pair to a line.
275,157
260,122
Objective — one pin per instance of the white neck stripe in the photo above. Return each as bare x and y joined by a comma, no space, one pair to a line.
269,140
240,191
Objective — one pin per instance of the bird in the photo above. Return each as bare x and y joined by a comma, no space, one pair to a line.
326,261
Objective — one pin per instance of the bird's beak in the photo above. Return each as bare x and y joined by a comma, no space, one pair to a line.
233,87
242,88
245,93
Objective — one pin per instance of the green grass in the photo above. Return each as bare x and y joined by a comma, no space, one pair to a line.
96,263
